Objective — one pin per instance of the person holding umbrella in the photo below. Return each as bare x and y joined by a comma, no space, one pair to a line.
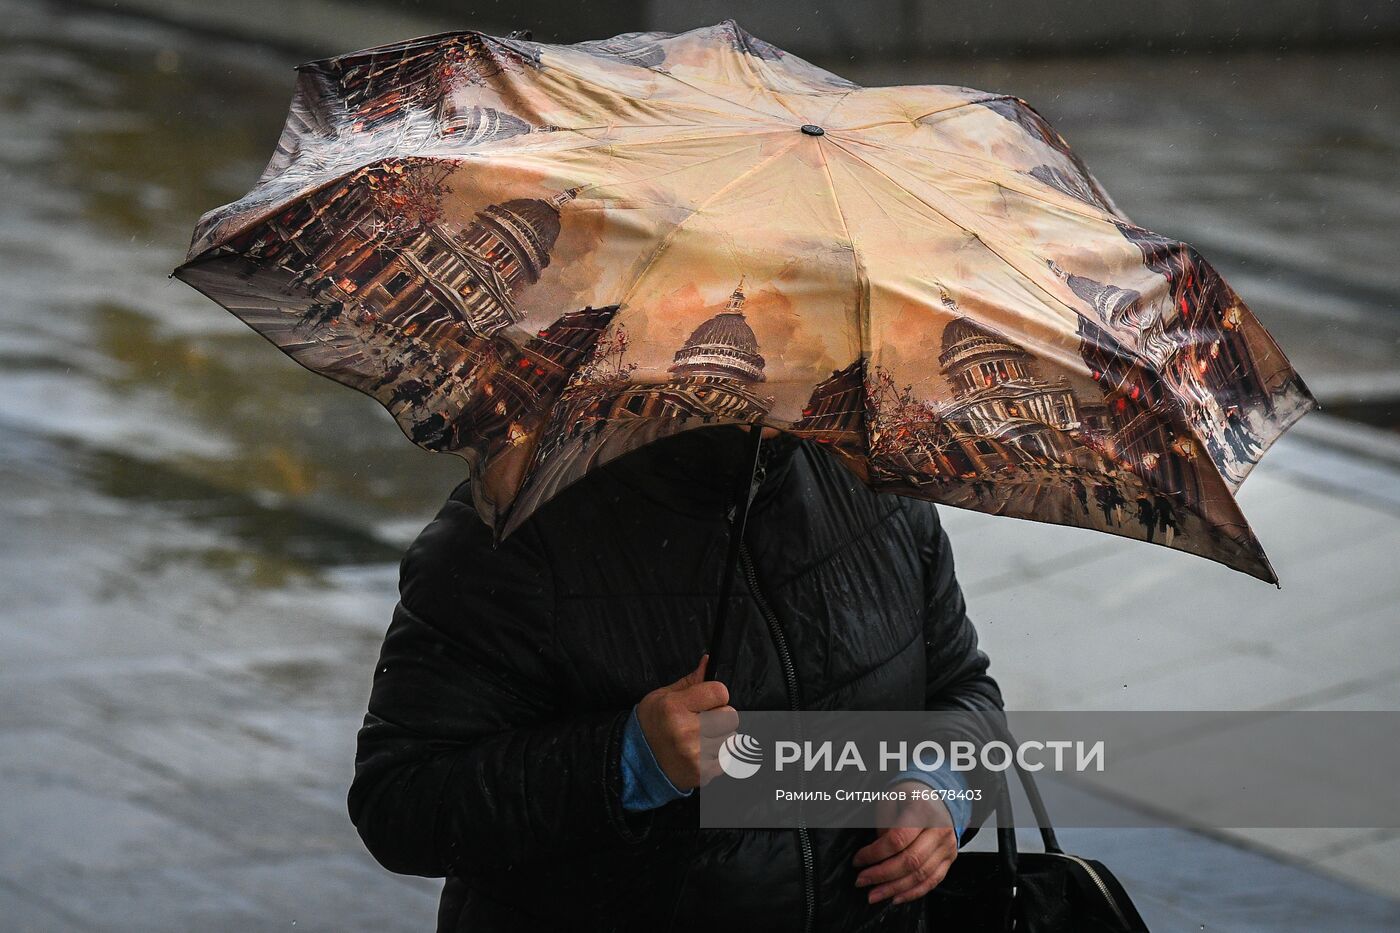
601,273
534,730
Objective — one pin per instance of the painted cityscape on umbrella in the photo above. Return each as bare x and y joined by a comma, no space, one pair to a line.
403,278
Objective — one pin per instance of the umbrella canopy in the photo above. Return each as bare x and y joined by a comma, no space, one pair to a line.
540,257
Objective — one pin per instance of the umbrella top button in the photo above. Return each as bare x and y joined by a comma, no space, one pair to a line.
811,129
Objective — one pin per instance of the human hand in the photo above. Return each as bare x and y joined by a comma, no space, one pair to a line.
671,722
913,851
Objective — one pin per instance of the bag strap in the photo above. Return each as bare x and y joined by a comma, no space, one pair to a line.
1006,824
1042,816
1006,836
1007,851
1008,856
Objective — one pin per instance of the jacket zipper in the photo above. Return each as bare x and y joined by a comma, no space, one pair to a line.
775,631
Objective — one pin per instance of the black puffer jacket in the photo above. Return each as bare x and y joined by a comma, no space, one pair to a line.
490,754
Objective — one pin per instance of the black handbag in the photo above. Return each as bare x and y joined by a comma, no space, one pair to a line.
1030,892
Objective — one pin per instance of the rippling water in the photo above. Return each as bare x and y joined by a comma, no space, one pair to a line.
117,135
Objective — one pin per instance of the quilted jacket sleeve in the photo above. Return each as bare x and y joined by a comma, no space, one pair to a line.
468,754
957,678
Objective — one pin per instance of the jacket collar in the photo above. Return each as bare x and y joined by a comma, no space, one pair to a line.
695,472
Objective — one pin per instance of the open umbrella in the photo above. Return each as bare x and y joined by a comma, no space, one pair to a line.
540,257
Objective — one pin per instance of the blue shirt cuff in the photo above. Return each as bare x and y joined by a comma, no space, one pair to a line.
945,779
644,785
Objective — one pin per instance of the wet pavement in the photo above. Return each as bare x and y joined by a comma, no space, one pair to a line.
199,537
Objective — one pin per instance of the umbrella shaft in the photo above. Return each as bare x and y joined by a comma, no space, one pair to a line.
738,518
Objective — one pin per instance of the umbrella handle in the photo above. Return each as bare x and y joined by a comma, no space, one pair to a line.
738,518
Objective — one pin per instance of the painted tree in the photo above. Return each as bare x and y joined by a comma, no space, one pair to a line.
898,417
606,368
407,195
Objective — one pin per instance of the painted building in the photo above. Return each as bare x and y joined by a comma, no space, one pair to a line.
998,395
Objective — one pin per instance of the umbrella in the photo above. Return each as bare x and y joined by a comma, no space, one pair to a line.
540,257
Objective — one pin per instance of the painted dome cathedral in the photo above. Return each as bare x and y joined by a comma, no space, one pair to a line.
723,346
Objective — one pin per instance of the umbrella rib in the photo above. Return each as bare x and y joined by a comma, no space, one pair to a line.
826,117
923,151
1177,409
752,130
1138,357
640,126
669,173
878,204
1071,204
573,73
671,235
591,144
924,116
862,278
583,79
482,153
756,71
1056,299
762,70
701,90
752,109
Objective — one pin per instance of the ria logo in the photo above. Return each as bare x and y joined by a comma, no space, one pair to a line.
740,756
